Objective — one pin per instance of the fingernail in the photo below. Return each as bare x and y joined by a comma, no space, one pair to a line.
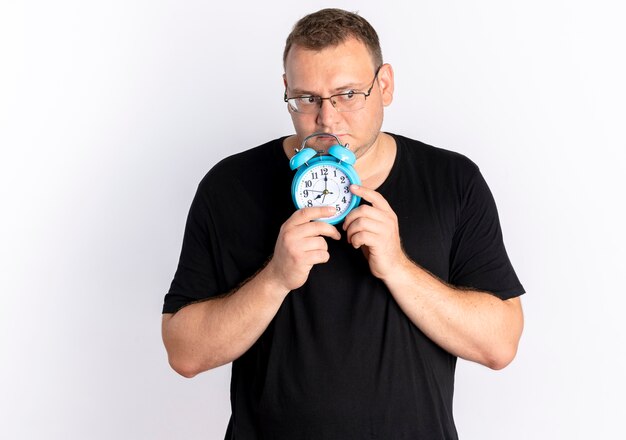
355,186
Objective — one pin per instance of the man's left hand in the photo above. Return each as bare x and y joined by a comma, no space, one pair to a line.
375,230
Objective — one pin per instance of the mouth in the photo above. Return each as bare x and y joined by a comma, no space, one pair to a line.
321,141
325,138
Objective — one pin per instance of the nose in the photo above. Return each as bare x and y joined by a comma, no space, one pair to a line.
326,114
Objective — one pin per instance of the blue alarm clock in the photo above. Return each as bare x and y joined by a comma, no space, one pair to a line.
324,179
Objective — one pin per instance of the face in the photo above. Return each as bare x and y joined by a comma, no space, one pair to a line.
333,70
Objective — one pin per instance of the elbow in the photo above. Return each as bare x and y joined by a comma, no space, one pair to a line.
182,358
190,366
504,348
499,363
501,358
184,368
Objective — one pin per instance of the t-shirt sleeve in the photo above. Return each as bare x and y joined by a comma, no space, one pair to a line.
196,276
479,259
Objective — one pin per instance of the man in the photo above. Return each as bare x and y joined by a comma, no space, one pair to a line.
349,331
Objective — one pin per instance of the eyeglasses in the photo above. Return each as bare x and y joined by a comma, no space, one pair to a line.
349,101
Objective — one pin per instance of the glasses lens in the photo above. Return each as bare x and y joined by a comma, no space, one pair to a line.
304,104
348,102
343,102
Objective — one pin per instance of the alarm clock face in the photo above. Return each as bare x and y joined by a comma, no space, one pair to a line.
325,185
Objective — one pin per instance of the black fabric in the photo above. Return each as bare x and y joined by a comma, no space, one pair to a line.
340,360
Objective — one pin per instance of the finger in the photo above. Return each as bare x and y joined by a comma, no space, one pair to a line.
364,224
305,215
313,244
316,257
363,238
375,198
363,211
294,236
314,229
304,252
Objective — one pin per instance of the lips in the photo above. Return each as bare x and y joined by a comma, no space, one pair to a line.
324,137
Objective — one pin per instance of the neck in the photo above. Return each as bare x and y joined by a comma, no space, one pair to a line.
375,163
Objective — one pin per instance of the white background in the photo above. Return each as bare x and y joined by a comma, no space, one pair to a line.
111,113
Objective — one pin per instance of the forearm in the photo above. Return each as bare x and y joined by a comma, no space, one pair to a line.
473,325
211,333
208,334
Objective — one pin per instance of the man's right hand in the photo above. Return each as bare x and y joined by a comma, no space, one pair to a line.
300,245
208,334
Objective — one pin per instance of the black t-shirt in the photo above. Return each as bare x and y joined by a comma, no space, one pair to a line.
340,360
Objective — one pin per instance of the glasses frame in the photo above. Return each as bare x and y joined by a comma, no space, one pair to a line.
319,99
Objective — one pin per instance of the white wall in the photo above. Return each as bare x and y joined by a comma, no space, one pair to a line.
111,112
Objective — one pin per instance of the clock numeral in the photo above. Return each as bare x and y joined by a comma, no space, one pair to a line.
344,200
309,203
305,193
314,175
334,173
346,190
338,207
324,171
343,179
308,184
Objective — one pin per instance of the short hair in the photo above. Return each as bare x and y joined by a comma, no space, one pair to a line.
331,27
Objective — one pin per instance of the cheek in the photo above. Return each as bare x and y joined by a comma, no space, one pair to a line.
367,122
302,124
295,120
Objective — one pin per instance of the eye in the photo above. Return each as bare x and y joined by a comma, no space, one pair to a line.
306,100
347,96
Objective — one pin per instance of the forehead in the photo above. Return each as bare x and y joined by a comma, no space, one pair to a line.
347,63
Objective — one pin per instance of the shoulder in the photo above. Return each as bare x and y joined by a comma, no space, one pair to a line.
420,152
446,171
246,164
434,164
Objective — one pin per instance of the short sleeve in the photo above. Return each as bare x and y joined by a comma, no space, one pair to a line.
478,258
196,276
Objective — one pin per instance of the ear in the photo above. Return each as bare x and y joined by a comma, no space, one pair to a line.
385,81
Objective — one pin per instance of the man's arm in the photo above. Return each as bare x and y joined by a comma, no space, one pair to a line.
473,325
211,333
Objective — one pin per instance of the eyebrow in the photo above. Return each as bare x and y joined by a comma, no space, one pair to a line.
336,90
